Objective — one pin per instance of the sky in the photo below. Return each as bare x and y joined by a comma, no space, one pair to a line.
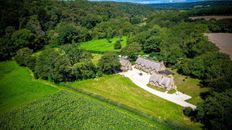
150,1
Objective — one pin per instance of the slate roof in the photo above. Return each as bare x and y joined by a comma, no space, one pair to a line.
165,81
150,64
124,61
165,72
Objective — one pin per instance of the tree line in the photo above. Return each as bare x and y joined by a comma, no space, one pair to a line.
66,64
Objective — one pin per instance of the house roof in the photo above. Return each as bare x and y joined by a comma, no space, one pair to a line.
150,64
166,81
165,72
123,61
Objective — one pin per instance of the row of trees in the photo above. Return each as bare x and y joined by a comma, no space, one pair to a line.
68,63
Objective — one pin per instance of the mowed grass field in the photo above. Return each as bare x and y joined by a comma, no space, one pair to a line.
17,86
121,89
27,103
103,45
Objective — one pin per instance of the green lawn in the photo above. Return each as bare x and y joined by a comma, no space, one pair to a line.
189,86
122,90
102,45
65,110
18,87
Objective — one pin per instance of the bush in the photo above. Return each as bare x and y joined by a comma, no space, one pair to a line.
117,45
23,56
188,111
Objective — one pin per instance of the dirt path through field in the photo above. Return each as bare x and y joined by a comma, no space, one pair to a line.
222,40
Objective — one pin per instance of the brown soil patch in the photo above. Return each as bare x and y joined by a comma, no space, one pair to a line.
211,17
222,40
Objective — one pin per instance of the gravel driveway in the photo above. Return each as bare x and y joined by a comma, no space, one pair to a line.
142,81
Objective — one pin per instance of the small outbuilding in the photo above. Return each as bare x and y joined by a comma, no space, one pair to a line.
125,63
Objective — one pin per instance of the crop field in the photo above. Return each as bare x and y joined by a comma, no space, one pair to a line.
102,45
65,110
18,87
223,41
122,90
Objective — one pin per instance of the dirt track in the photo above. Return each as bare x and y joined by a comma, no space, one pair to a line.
211,17
223,41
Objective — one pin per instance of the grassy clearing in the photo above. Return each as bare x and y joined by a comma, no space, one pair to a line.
66,110
102,45
17,86
189,86
122,90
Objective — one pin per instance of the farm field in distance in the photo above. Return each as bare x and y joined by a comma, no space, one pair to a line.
103,45
223,41
122,90
211,17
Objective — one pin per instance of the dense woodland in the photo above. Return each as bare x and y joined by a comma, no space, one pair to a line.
45,36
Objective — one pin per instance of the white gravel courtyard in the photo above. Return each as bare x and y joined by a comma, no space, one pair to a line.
142,81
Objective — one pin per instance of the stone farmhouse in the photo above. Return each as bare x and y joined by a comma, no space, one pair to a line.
125,63
160,77
149,66
162,81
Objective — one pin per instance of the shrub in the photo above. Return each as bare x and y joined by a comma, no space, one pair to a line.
188,111
23,56
117,45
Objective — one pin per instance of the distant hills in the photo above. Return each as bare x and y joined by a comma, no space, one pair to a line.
188,5
156,1
175,4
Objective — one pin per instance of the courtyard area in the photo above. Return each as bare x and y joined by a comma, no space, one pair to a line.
141,79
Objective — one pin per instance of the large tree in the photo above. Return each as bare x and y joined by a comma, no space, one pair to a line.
75,54
53,64
109,63
216,111
132,50
84,70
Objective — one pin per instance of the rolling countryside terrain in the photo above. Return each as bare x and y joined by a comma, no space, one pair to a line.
37,105
127,65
